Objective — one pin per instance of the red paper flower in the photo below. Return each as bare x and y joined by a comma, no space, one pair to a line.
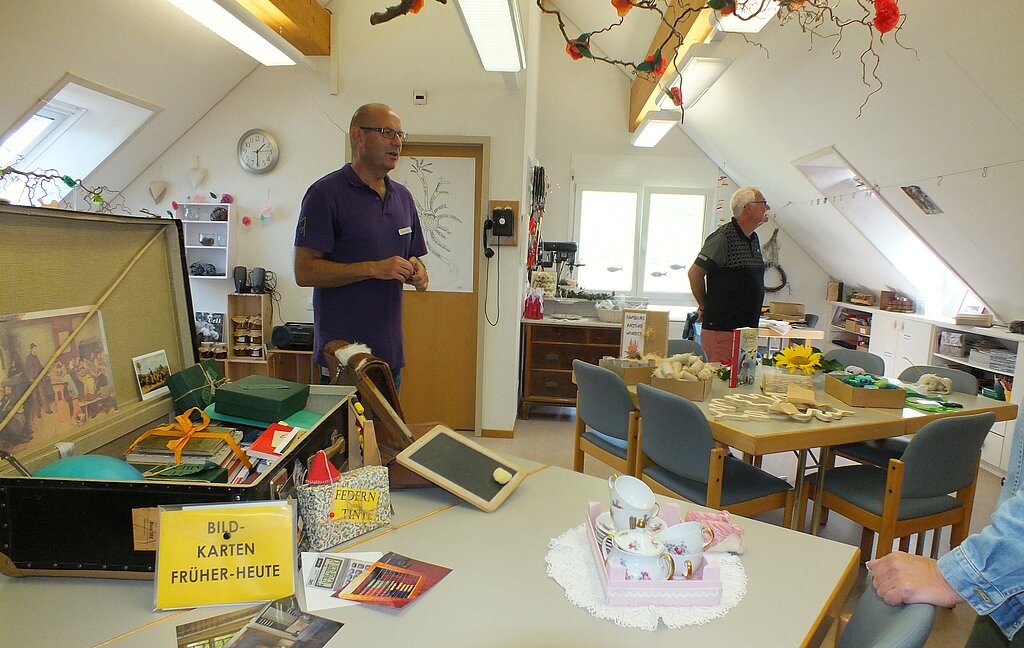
677,96
227,198
416,6
246,221
887,15
796,4
570,49
174,204
622,7
728,9
659,67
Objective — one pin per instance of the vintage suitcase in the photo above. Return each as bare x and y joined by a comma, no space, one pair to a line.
261,398
86,298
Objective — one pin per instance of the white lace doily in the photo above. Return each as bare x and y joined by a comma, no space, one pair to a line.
571,564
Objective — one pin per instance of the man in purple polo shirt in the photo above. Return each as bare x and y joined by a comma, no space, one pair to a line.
358,239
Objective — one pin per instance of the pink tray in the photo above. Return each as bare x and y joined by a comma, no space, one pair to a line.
704,589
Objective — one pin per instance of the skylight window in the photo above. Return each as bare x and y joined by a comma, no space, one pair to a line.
72,130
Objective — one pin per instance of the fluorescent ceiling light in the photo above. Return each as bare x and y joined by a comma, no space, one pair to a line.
697,73
233,23
497,35
744,8
654,126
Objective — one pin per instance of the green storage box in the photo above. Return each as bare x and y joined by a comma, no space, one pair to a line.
261,398
195,386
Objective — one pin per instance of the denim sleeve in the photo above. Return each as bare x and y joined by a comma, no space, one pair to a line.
986,569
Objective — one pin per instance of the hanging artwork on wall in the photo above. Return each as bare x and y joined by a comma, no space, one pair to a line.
443,188
77,388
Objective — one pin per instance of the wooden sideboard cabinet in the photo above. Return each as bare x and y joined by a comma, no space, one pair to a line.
548,352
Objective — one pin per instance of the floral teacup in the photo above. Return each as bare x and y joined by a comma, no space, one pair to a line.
642,556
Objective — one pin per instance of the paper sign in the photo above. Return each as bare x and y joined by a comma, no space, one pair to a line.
355,505
224,553
633,325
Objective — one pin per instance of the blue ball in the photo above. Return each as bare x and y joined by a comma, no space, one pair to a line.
90,467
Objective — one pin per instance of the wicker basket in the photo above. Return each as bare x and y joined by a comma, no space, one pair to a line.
609,315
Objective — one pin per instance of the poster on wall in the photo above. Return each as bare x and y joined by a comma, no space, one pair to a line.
444,189
77,389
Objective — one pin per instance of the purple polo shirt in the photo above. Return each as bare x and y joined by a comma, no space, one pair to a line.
347,220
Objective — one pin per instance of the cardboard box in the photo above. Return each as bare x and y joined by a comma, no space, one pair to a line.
629,375
694,390
786,311
858,397
855,327
834,291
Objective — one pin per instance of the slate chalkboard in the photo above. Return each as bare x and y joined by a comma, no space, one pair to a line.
462,467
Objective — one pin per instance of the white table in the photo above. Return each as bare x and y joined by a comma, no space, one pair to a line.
498,593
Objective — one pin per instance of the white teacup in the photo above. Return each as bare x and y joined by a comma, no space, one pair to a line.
642,556
686,543
633,502
628,491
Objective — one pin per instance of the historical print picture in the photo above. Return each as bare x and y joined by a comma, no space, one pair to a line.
209,326
76,387
152,372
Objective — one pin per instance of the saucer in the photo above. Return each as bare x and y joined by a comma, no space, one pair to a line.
605,524
656,525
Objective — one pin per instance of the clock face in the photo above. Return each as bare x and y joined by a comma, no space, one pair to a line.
257,151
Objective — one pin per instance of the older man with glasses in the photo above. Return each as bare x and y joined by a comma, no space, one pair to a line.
727,277
358,240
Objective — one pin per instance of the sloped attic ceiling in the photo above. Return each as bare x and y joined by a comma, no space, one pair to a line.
943,115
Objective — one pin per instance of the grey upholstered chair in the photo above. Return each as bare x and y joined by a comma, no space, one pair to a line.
678,458
604,404
869,362
962,381
810,320
679,345
911,495
878,453
876,624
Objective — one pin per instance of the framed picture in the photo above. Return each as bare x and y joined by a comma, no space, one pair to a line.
210,326
152,372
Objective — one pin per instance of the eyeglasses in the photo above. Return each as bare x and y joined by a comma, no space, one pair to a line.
387,133
761,202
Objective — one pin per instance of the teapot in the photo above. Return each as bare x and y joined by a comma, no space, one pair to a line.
641,555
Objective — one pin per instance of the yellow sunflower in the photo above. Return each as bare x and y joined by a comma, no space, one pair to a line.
799,357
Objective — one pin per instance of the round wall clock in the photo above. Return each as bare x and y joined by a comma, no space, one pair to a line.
257,151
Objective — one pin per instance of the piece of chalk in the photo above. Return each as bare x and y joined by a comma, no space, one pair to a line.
502,476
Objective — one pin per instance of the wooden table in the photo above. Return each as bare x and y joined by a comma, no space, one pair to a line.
760,437
498,593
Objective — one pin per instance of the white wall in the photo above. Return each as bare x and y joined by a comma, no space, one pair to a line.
387,64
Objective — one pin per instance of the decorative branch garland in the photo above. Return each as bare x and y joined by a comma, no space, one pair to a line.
36,185
816,18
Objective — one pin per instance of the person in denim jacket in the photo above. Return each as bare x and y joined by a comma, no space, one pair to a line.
986,570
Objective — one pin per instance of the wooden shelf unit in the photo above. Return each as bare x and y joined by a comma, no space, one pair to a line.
245,312
198,227
548,352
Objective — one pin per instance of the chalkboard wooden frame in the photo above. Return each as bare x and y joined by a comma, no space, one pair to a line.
469,473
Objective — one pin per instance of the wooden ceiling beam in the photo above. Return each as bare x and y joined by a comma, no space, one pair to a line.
303,23
643,94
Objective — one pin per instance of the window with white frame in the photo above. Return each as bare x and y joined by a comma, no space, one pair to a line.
640,241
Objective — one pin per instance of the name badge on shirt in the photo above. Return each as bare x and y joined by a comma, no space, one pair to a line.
402,231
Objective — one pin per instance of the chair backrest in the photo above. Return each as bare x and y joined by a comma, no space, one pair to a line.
602,399
962,381
676,434
679,345
942,457
880,625
869,362
811,320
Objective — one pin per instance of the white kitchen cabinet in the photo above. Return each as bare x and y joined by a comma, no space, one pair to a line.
902,342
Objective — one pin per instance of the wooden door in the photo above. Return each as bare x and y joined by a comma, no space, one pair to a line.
440,327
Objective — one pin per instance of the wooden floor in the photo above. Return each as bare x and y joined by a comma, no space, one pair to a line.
547,437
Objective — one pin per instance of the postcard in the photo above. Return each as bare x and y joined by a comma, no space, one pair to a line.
151,373
277,623
319,596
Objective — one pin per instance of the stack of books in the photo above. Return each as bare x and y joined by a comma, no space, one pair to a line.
271,444
203,458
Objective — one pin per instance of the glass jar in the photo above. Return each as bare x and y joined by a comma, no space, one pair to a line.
191,213
206,238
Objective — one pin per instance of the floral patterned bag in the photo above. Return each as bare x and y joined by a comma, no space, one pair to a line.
357,502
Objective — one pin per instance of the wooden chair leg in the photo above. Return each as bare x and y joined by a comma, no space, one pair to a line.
867,538
884,548
805,496
577,452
